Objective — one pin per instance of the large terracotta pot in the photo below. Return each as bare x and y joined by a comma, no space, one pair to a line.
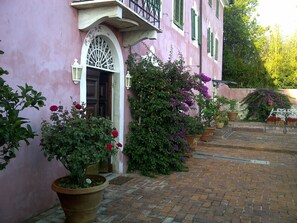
80,205
191,139
207,134
232,116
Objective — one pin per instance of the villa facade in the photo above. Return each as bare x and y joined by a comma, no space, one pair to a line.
41,39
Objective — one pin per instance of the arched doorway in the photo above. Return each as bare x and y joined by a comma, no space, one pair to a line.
103,75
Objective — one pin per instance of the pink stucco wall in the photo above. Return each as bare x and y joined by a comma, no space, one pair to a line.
40,40
240,93
181,42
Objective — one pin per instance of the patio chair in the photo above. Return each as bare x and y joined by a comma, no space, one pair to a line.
292,113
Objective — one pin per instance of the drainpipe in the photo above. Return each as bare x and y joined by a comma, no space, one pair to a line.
200,49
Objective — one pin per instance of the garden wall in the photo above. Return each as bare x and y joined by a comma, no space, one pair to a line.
240,93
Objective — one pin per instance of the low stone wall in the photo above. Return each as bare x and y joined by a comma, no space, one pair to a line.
240,93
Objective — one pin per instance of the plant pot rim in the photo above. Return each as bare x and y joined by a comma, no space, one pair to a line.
58,189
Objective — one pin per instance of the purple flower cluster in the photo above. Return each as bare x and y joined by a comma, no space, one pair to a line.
189,102
204,91
203,77
184,107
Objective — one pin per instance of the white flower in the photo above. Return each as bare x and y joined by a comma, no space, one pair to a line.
88,181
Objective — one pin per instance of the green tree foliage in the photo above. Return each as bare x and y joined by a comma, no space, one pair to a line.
243,43
13,127
281,59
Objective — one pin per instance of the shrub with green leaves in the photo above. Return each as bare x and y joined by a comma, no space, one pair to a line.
13,127
162,94
260,102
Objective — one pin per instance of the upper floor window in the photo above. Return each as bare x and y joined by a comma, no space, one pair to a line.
178,13
218,8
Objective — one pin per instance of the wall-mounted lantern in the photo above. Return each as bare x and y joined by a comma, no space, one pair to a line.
128,80
76,71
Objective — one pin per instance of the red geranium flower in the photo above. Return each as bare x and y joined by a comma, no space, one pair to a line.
54,108
109,146
115,133
119,144
78,106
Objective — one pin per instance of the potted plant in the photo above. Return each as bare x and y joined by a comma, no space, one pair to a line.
77,141
221,119
232,113
194,128
271,119
291,121
209,108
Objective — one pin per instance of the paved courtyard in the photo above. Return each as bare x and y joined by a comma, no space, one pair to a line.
224,184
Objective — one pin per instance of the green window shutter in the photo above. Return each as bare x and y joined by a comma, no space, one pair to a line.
199,31
181,13
210,2
218,8
208,40
193,20
175,11
217,49
211,44
178,13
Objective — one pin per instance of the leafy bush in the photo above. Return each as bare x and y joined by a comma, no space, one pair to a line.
260,102
77,140
12,126
193,125
162,94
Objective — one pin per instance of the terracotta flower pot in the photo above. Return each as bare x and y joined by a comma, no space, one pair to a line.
291,123
232,116
207,134
270,122
220,125
80,205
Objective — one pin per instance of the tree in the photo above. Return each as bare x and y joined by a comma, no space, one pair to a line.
280,59
243,42
13,127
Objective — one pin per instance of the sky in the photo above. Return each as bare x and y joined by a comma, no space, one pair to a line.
281,12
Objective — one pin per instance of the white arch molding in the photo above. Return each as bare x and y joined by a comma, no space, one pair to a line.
112,48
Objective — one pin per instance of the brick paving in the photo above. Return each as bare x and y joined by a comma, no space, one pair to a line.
213,190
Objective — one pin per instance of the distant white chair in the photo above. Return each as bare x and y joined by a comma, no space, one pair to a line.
292,112
283,113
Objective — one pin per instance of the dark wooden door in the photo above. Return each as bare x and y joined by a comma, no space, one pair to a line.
98,93
99,102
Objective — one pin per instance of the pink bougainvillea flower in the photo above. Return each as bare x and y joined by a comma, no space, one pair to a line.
78,106
270,102
115,133
119,144
54,108
109,146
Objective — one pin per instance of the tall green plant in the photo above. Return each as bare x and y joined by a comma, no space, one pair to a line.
243,44
162,93
13,127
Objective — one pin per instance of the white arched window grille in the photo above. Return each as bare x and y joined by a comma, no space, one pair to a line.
99,55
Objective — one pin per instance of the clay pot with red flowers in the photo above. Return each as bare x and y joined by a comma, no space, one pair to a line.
291,121
78,141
